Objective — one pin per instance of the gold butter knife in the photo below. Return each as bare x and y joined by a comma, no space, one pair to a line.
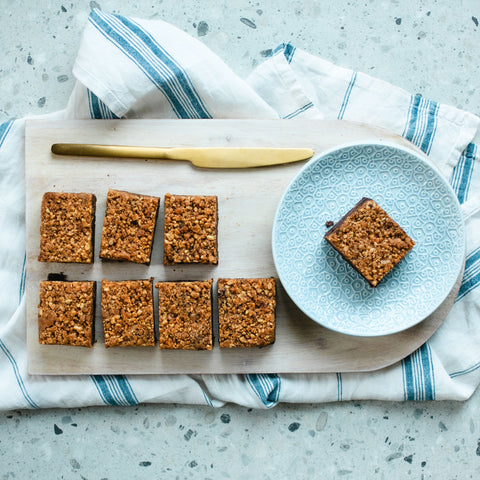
209,157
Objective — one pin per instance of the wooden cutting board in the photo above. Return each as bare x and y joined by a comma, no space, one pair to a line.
247,203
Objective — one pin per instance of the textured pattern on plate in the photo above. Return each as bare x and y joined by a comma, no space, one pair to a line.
329,290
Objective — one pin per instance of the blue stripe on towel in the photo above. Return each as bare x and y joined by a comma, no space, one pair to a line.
472,264
462,173
466,371
298,111
421,123
418,375
157,57
471,276
114,389
266,387
287,49
157,64
175,72
339,387
126,389
98,109
4,129
18,377
23,275
347,95
468,286
207,399
103,390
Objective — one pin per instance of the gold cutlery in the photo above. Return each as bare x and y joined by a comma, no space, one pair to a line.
204,157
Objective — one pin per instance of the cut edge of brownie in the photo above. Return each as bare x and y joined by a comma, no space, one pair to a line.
337,225
94,217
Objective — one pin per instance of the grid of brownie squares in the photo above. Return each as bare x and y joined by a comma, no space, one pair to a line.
246,307
185,315
127,312
67,227
66,313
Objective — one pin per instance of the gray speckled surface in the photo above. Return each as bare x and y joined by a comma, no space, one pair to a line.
431,49
428,49
351,441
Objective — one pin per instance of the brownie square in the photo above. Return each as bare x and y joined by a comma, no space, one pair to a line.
369,240
246,312
129,227
190,229
185,315
127,312
66,313
67,227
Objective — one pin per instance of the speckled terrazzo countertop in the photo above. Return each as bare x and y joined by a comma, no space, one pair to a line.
430,48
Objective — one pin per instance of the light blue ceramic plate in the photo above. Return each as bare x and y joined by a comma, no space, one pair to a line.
329,290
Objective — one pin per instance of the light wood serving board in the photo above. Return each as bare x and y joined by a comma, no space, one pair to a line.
247,202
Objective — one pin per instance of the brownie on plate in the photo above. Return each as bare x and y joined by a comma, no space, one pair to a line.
369,240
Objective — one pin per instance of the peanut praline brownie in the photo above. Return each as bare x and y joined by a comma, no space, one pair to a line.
246,312
127,312
129,227
190,229
369,240
67,227
185,315
66,313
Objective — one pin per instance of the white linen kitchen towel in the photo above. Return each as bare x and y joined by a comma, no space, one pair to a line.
149,69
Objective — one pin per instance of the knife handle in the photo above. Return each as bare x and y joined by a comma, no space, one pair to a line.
117,151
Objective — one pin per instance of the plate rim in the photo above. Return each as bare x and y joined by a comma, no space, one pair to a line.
422,157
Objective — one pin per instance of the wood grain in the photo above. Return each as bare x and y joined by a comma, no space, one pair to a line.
247,203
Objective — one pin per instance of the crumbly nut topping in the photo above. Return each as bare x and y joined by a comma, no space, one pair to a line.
185,315
246,311
66,313
370,240
190,229
67,227
127,311
129,227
